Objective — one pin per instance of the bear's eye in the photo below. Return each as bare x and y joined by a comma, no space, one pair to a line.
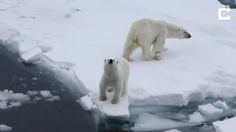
105,60
117,62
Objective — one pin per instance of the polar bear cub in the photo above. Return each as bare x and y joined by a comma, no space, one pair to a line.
150,35
115,76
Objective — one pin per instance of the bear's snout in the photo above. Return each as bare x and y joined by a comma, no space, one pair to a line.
110,61
188,35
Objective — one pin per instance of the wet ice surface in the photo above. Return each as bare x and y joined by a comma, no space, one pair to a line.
179,116
45,114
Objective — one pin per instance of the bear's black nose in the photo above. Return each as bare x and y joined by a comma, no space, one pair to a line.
188,35
110,61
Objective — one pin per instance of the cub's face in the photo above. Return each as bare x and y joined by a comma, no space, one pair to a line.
182,33
110,64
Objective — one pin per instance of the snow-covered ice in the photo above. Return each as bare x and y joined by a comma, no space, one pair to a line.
227,125
149,122
115,110
85,32
210,110
173,130
221,105
46,93
196,117
5,128
87,103
9,99
32,55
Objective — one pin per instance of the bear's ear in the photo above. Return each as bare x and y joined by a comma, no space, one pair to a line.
105,60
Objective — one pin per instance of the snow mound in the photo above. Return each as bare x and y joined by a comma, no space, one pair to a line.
227,125
5,128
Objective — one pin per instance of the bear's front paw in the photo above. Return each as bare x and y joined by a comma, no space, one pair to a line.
103,98
114,101
157,58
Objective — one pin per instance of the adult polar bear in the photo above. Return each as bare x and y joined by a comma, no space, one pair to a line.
150,35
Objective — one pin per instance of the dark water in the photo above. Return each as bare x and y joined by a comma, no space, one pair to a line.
64,115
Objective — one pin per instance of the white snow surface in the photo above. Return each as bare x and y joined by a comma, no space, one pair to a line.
173,130
115,110
227,125
85,32
5,128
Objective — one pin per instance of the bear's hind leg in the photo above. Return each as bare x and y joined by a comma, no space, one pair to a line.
129,49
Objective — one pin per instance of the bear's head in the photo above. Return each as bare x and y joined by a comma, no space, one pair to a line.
182,33
110,65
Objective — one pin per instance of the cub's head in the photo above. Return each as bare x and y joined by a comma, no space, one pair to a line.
110,64
182,33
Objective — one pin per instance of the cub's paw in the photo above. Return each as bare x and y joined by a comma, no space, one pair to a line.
103,98
157,58
114,101
110,90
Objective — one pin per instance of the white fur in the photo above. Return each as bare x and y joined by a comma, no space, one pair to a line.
115,76
150,35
